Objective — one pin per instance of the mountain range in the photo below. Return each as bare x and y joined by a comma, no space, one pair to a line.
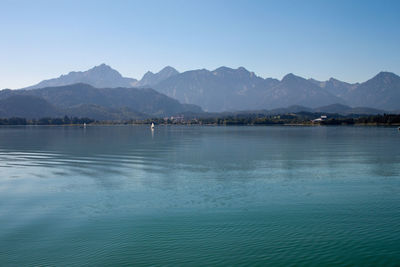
227,89
83,100
103,93
150,78
102,76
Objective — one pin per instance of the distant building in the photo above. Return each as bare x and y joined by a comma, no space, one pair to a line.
178,118
322,118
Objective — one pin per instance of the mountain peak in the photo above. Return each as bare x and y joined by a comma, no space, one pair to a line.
386,75
150,78
102,66
169,68
244,71
101,76
290,77
148,73
223,69
229,71
381,92
167,72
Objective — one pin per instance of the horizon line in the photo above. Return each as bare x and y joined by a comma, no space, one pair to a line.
198,69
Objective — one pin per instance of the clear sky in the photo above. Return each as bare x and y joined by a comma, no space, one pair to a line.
348,40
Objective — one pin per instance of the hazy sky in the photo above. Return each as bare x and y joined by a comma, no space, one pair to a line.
348,40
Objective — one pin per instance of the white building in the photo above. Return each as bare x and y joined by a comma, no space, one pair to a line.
322,118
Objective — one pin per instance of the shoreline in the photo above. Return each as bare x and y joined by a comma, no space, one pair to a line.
209,125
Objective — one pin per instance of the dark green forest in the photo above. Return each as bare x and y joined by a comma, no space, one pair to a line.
301,118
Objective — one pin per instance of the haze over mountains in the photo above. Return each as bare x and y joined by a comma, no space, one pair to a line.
238,89
150,78
103,93
83,100
102,76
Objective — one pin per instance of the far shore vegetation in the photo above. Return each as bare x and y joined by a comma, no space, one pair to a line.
301,118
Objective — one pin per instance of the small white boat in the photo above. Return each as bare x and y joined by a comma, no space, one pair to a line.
152,126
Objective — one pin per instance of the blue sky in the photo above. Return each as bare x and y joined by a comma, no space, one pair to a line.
348,40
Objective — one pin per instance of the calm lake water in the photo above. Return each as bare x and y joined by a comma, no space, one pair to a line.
206,196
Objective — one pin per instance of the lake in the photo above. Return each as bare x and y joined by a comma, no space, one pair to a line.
199,196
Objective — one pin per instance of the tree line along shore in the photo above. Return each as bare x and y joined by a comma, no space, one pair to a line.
302,118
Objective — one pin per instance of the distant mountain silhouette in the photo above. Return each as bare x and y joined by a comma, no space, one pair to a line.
102,76
326,110
218,90
227,89
27,106
329,109
346,110
238,89
86,100
150,79
381,92
290,109
295,90
336,87
31,105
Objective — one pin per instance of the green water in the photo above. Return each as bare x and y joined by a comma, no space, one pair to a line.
199,196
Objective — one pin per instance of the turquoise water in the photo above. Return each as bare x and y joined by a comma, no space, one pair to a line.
199,196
